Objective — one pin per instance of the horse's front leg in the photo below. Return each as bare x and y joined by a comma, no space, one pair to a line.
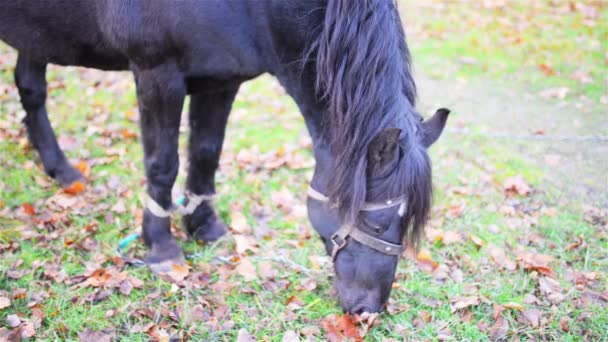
208,117
160,93
30,78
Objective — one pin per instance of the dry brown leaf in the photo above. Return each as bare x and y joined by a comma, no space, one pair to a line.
533,317
244,336
552,289
246,269
459,303
500,329
128,134
455,210
178,272
338,328
89,335
564,324
500,258
516,186
5,302
290,336
28,208
425,261
13,321
515,306
244,243
238,223
126,287
476,240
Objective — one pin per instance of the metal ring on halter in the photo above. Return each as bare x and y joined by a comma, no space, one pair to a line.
339,238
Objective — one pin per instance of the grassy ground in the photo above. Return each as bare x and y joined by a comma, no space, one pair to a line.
492,266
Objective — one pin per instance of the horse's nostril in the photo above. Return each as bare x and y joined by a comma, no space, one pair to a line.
361,308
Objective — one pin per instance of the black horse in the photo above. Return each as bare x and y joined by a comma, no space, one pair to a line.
345,63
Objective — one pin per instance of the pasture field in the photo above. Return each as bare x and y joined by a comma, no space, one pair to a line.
516,249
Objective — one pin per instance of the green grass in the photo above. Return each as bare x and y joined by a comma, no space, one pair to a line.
266,120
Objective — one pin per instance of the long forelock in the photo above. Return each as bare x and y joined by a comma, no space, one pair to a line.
363,69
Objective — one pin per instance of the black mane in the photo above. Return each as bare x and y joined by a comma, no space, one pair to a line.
365,80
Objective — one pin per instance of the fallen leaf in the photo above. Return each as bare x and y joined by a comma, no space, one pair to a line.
28,208
27,330
500,329
244,336
455,210
340,327
84,168
75,188
13,321
564,324
4,302
238,223
425,261
89,335
290,336
128,134
552,289
244,243
515,306
476,240
500,258
546,69
178,272
459,303
246,270
516,186
126,287
533,317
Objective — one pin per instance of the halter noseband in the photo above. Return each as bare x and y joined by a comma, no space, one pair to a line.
339,238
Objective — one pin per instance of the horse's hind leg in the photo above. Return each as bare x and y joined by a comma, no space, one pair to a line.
31,82
208,116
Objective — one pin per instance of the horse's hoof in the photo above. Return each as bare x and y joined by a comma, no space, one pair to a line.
210,233
67,176
162,257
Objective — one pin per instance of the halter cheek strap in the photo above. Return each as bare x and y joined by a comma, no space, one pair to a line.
340,238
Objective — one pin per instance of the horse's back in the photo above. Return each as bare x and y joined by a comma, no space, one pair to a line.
59,31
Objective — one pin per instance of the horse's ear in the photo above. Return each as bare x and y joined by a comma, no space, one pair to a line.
383,149
432,128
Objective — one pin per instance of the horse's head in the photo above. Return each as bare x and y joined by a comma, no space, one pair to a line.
398,189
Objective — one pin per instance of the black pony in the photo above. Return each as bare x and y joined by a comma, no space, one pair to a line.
345,63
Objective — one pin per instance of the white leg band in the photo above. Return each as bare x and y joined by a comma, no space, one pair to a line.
155,208
193,202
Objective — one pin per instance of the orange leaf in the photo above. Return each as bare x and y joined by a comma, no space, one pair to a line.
28,208
425,261
340,327
84,168
546,69
128,134
76,188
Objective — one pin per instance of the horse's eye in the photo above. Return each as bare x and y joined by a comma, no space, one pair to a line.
378,230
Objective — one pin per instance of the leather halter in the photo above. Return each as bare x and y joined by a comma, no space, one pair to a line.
339,238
